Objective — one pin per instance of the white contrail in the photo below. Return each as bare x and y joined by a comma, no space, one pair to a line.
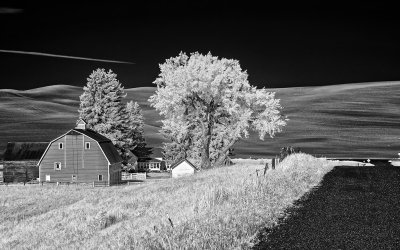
5,10
61,56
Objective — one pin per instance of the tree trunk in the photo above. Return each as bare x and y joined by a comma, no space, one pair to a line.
221,159
205,152
224,154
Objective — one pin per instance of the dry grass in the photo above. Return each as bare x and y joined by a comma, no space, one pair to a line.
222,208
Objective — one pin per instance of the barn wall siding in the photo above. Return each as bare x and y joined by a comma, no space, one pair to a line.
86,164
115,173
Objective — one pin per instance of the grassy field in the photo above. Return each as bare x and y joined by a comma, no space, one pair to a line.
354,208
222,208
359,120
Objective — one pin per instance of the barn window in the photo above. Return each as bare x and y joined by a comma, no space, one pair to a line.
100,177
87,145
60,145
57,165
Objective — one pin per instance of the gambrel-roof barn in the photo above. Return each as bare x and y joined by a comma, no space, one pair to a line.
80,155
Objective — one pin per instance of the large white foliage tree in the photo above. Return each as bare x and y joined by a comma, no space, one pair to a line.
208,105
102,108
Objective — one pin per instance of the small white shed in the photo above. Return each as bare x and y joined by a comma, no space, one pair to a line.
183,168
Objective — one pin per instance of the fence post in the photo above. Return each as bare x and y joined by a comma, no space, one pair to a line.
266,167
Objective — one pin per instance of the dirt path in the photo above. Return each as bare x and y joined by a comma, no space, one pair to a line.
354,208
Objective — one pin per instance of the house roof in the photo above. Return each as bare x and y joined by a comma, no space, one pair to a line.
156,152
148,159
182,160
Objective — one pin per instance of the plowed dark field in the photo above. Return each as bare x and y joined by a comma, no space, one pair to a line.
353,208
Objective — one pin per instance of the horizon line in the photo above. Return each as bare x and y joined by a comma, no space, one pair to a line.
310,86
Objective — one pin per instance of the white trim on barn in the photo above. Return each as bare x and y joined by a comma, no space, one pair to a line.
48,146
65,152
83,152
108,169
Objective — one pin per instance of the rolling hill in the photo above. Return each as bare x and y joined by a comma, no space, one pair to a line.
355,120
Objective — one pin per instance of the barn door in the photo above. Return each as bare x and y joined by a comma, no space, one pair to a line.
77,152
74,152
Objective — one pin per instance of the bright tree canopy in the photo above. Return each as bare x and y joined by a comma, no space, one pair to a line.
209,102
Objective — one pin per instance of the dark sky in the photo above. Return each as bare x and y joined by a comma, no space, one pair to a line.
280,44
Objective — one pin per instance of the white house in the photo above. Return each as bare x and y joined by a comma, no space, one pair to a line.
149,164
183,168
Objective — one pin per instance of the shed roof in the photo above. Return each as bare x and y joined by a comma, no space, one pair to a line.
182,160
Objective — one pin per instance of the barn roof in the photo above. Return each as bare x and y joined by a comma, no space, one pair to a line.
111,152
18,151
179,162
108,148
92,134
106,145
